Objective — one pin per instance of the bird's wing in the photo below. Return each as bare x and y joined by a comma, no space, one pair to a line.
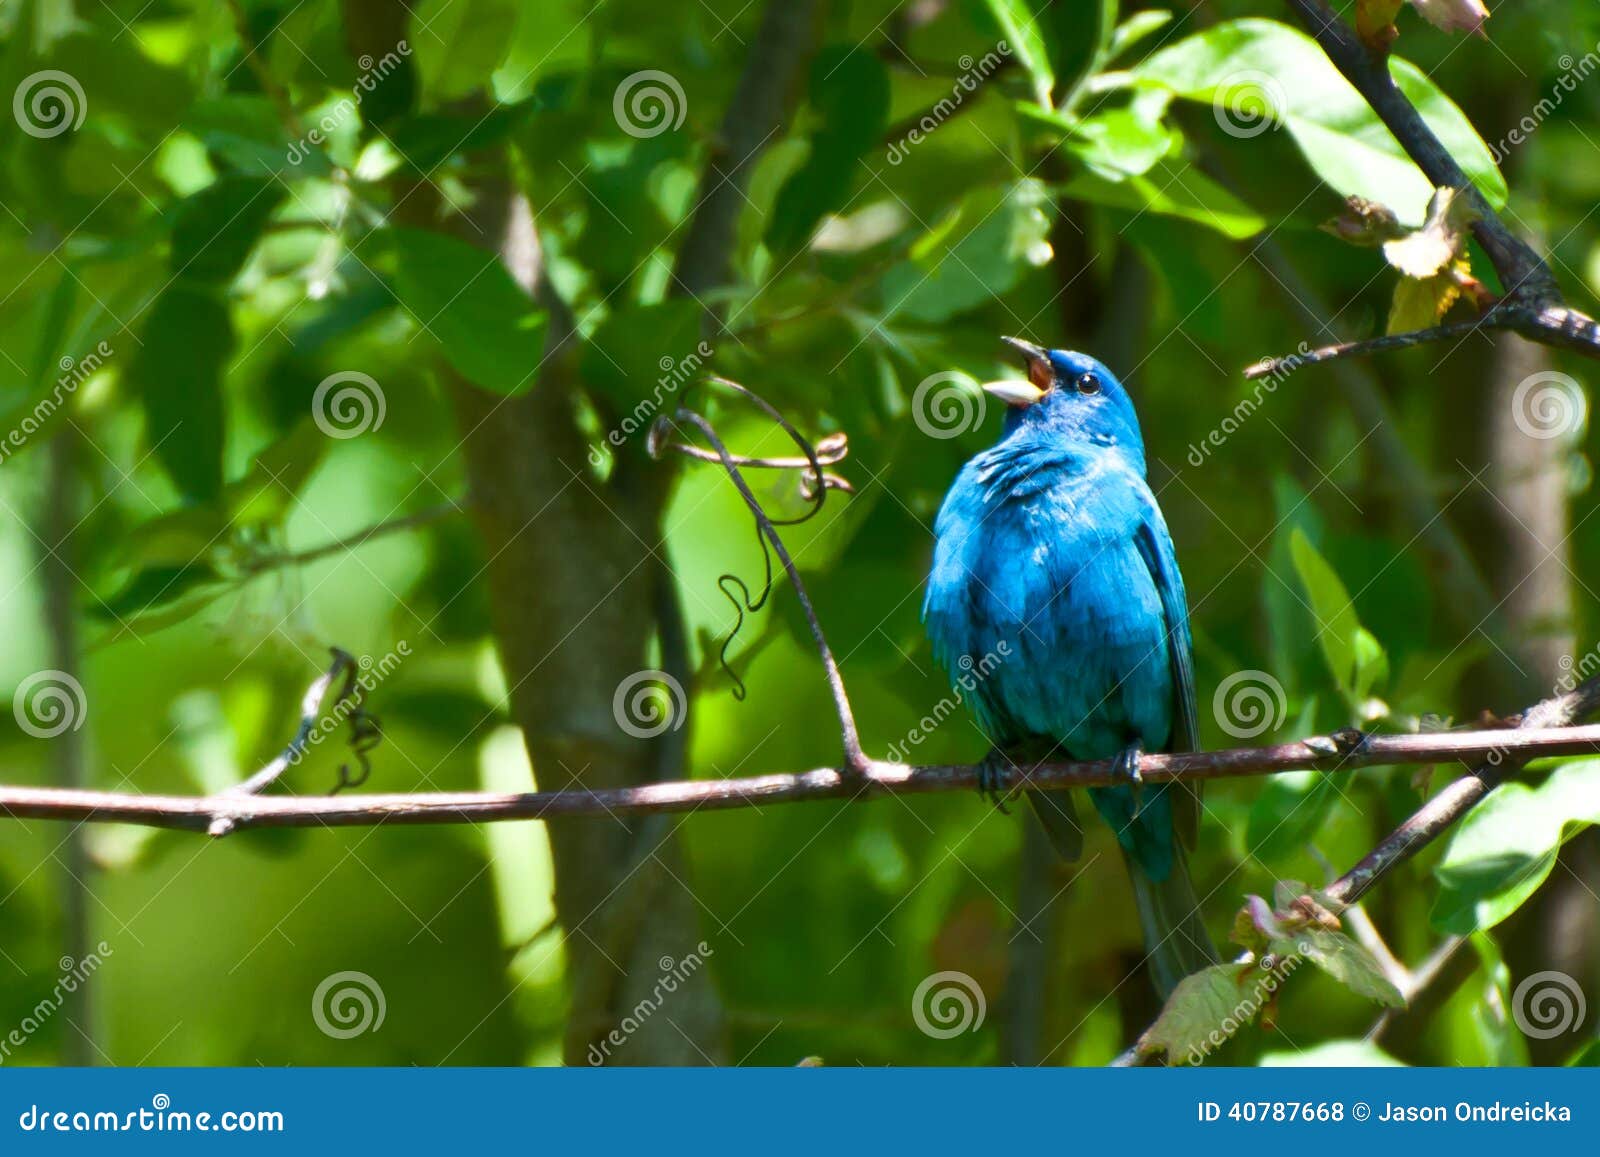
1155,545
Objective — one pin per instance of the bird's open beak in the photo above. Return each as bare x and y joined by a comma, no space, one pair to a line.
1013,392
1041,375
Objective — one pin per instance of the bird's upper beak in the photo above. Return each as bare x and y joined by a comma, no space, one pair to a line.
1041,375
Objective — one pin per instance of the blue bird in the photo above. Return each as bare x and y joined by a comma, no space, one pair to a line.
1054,577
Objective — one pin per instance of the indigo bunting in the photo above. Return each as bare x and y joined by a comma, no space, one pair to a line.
1051,551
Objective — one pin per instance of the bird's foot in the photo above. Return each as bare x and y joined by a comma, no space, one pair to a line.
995,773
1126,766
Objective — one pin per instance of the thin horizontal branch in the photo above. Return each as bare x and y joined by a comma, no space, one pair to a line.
201,813
1551,325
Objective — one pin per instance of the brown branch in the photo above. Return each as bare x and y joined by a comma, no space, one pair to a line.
1493,764
1532,304
198,813
423,517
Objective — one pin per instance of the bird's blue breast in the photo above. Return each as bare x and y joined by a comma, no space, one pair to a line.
1038,550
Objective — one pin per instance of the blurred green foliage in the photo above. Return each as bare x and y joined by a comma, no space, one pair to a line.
230,218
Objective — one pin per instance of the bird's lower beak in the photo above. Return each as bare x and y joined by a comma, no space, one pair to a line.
1014,393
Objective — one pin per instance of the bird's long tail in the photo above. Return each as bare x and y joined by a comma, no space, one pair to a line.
1175,936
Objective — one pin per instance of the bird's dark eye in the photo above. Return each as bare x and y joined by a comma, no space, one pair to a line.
1088,384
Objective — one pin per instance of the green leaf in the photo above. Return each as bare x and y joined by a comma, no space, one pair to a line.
1344,960
1020,31
488,328
153,588
974,256
1172,188
460,42
1203,1011
1257,62
1354,657
1136,28
185,349
1505,848
1117,143
1288,813
216,228
850,92
646,351
248,133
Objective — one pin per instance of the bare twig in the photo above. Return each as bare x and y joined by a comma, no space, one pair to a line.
855,760
423,517
197,813
310,714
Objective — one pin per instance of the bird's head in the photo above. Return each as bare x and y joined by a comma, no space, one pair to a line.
1067,395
